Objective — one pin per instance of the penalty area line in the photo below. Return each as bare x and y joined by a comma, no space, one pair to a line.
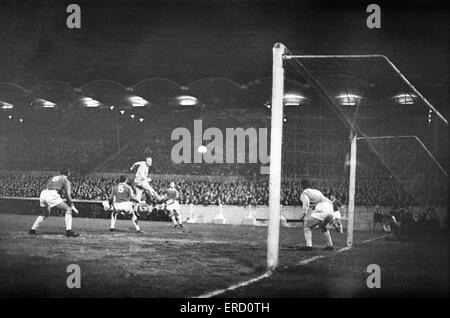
270,272
245,283
373,239
315,258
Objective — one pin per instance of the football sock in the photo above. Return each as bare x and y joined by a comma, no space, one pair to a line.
68,219
308,236
113,220
38,221
135,222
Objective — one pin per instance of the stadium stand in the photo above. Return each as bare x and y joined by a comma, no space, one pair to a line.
115,133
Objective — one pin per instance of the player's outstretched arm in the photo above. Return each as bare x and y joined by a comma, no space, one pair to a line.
136,164
304,210
305,206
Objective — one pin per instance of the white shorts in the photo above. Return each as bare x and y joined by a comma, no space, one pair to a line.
126,207
139,181
323,211
174,205
49,198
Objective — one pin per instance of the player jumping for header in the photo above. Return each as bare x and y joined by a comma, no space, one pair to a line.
322,215
51,197
120,200
171,196
142,180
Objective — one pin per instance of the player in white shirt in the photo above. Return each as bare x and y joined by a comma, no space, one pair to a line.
318,210
310,198
142,180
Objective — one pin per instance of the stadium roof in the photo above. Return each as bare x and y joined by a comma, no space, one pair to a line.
186,41
212,91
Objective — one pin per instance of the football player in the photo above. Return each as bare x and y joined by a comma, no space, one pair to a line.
120,200
171,196
142,180
337,205
310,198
50,197
322,215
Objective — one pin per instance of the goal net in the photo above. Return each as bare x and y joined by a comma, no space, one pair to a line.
357,128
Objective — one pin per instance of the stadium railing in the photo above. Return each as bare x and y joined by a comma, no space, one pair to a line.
30,205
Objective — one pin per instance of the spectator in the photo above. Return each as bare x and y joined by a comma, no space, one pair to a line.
377,217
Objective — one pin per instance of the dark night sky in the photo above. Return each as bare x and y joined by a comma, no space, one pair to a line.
129,41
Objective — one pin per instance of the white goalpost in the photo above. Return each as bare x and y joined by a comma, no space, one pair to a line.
351,190
276,137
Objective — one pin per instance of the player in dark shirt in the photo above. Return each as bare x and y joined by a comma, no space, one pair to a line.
121,199
171,196
337,205
51,196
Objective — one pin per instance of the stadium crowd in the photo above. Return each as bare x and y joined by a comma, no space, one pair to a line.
404,224
108,143
24,153
212,191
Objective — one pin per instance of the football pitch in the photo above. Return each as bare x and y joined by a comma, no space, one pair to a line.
206,259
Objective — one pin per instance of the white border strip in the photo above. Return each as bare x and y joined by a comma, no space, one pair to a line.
270,272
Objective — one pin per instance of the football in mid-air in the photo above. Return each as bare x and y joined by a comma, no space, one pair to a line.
202,149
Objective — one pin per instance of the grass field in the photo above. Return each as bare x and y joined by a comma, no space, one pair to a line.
200,258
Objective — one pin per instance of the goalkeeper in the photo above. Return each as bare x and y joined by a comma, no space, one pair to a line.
50,197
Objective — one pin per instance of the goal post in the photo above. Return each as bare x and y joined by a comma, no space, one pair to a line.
352,189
